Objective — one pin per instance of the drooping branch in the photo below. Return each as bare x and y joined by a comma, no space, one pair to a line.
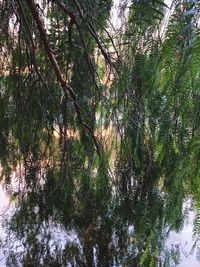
93,33
88,25
67,89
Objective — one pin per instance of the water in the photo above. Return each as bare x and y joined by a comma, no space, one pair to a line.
185,241
4,209
182,240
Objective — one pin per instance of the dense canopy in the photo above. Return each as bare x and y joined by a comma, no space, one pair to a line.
99,129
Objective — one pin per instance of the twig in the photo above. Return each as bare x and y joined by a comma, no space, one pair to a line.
65,86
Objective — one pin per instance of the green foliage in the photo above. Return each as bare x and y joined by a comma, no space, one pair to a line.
104,143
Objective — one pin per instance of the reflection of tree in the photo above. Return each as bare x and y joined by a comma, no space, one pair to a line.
110,230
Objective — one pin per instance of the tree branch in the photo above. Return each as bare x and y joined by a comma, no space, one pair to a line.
65,86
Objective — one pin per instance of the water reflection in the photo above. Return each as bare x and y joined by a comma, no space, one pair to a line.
183,241
87,229
69,211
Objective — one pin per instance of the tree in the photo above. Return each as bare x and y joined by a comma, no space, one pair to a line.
67,83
